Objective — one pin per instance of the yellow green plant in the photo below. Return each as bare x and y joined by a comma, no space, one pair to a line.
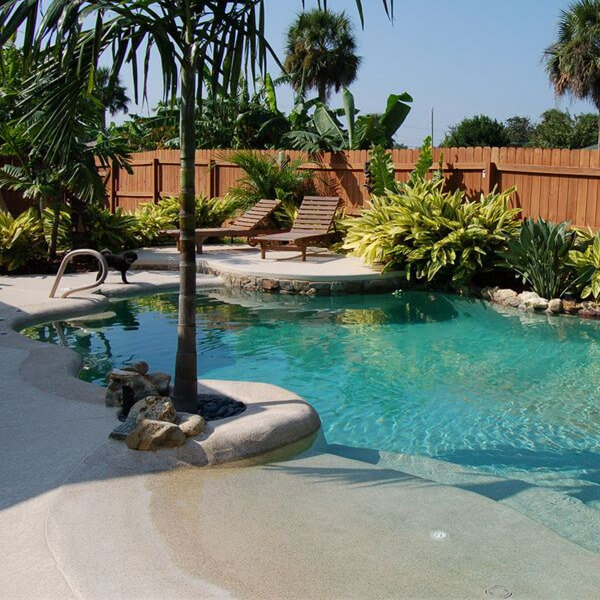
21,239
433,235
586,263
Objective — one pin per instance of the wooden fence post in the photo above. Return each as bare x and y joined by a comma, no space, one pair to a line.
212,178
489,176
114,185
155,182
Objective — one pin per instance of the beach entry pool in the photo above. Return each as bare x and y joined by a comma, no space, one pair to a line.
435,375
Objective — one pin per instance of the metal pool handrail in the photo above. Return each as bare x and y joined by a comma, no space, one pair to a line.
65,262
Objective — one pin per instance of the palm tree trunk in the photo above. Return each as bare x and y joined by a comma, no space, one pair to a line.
54,232
185,388
322,89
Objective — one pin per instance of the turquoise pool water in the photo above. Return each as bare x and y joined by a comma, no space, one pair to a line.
418,373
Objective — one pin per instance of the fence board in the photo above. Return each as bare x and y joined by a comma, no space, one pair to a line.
555,184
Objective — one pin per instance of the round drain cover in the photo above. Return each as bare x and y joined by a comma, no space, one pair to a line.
498,591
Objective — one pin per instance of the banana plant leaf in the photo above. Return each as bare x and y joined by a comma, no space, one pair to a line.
327,125
348,100
396,111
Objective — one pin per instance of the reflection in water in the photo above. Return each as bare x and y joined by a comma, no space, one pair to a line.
421,373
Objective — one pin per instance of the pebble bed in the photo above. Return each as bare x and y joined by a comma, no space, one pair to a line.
214,407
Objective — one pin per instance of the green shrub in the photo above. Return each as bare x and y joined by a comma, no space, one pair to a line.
151,218
267,177
21,239
433,235
586,264
64,227
115,231
382,174
538,255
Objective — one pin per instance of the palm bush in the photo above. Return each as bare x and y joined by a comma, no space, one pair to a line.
269,177
56,223
21,239
152,218
538,255
114,231
434,236
586,264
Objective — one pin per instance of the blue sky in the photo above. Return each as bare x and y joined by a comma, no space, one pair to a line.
460,57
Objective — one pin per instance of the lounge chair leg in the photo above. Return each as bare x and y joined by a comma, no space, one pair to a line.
263,251
303,253
199,246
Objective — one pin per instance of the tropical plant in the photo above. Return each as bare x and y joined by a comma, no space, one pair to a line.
21,239
538,255
114,231
111,94
152,218
324,132
435,236
586,264
67,40
381,174
572,61
56,223
479,130
321,52
382,177
268,176
12,74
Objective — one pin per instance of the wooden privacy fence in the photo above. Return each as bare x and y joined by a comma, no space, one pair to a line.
558,185
555,184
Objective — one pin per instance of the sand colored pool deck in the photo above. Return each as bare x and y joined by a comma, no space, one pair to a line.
83,517
321,264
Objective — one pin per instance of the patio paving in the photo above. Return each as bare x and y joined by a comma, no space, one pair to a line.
83,517
320,265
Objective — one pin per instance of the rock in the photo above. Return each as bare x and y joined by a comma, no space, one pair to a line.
161,383
570,307
137,378
488,292
590,312
555,305
119,378
269,284
500,295
532,301
122,430
155,408
190,424
322,288
140,367
505,297
152,435
287,285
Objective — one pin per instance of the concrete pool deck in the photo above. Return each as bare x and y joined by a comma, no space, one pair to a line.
83,517
240,266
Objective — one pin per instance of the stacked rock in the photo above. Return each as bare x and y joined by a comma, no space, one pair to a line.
150,419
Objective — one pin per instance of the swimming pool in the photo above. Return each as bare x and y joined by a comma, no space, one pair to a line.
436,375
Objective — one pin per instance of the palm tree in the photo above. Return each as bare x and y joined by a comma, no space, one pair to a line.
321,52
190,36
111,94
573,60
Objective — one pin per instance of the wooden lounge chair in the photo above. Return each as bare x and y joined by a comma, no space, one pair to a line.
252,222
313,225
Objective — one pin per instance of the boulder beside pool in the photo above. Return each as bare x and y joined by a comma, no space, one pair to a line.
275,419
136,378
